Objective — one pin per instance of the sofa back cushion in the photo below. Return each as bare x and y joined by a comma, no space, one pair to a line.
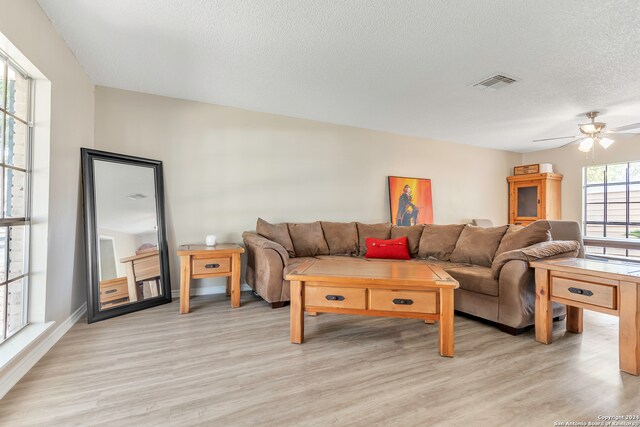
377,231
278,233
478,245
438,241
518,237
413,234
308,239
341,237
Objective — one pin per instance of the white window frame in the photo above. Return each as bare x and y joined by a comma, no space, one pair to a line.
26,220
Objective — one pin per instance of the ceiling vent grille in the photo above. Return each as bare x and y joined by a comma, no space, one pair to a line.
495,82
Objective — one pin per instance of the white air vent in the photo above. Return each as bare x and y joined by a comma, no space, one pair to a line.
495,82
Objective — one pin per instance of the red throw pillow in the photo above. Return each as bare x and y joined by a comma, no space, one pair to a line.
387,249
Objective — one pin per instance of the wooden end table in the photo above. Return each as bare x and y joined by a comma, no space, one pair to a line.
374,288
607,287
200,262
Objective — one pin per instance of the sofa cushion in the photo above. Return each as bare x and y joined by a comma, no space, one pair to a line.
549,250
413,234
341,237
438,241
478,245
279,233
388,249
308,239
475,279
518,237
377,231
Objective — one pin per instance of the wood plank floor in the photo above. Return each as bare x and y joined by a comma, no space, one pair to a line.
218,366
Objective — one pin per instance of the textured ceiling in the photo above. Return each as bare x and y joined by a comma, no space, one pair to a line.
398,66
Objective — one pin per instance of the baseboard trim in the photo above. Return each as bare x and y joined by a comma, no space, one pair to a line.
27,358
207,290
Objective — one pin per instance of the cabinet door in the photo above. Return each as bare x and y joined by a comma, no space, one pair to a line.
526,201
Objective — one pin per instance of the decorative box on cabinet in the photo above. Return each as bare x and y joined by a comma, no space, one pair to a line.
533,197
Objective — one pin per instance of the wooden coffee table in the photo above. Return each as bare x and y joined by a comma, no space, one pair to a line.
607,287
373,288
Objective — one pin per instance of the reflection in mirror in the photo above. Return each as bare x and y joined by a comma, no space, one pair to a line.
127,230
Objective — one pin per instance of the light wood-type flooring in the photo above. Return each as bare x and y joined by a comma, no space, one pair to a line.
217,366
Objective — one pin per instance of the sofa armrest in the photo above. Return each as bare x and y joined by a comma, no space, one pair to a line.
517,297
543,250
258,242
266,261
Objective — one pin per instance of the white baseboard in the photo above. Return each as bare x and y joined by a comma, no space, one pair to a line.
32,353
207,290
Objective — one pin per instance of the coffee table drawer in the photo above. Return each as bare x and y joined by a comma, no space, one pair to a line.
583,291
407,301
211,265
326,296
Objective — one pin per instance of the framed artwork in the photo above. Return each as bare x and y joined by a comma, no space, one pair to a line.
410,201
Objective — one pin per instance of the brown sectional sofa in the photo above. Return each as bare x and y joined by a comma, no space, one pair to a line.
491,264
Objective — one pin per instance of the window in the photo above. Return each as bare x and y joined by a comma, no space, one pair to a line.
612,205
15,146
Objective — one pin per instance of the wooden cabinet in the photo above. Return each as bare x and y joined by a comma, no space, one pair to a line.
533,197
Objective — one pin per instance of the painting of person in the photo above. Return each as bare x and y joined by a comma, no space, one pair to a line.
410,201
407,212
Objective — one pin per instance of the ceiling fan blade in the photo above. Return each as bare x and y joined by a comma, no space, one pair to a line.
626,127
572,142
620,133
552,139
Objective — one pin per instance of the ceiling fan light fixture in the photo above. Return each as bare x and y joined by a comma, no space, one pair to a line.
586,145
594,127
588,128
605,142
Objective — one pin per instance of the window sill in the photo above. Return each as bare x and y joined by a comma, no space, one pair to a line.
13,348
609,242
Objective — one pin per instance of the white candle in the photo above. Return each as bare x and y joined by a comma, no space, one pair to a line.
211,240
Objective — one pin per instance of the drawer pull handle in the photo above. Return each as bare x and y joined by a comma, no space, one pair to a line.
579,291
402,301
212,266
335,297
110,291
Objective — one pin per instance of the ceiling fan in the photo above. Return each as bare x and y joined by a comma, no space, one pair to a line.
593,132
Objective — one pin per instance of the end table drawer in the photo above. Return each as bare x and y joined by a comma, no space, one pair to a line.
211,265
326,296
113,290
407,301
585,292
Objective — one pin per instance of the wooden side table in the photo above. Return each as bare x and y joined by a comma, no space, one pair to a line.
200,262
607,287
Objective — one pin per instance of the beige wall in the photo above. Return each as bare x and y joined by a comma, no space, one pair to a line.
69,119
225,167
569,162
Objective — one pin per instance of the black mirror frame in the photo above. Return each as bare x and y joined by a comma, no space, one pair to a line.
94,314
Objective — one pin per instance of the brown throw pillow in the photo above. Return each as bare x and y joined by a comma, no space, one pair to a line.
308,239
341,237
278,233
412,233
518,237
478,245
438,241
377,231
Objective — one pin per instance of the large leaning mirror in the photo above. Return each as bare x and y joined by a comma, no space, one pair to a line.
127,255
